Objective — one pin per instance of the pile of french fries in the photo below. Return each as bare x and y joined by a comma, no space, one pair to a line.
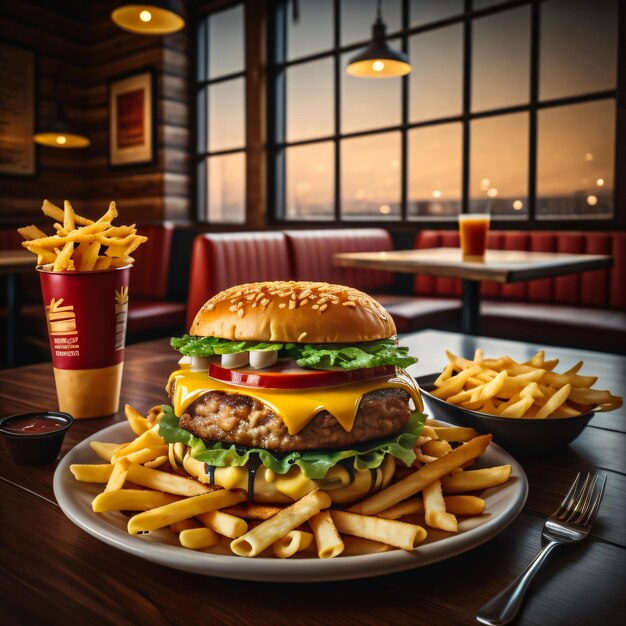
78,242
144,476
531,389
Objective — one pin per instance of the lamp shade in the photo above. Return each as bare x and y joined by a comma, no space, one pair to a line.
155,17
379,59
60,134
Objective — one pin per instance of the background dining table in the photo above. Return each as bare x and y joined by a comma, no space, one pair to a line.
55,573
501,266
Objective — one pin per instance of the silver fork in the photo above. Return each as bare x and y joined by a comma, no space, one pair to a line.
571,522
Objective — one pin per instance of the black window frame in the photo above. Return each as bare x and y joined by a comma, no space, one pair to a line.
277,116
201,89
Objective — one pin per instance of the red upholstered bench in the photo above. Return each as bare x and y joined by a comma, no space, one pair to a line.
312,253
221,260
582,310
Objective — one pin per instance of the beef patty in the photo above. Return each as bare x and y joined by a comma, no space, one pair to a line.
245,421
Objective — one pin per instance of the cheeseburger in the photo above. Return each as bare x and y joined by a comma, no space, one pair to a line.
286,387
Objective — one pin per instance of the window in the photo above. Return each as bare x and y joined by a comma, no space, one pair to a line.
511,107
221,140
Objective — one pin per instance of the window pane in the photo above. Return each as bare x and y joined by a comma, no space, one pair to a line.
434,170
309,192
426,11
370,177
226,42
313,32
575,152
501,59
310,96
227,188
499,165
226,115
368,104
578,51
357,17
436,81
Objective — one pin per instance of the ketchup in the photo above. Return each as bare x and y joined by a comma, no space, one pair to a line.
34,425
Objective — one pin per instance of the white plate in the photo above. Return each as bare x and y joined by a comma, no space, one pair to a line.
504,503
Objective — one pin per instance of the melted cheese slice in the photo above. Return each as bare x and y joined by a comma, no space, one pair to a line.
296,407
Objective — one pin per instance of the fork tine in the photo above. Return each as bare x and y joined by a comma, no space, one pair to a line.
570,494
575,503
591,516
585,503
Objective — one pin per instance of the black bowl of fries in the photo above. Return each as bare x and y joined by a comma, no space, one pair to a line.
524,436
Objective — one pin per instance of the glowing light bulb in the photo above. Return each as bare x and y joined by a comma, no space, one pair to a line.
384,209
600,182
518,205
378,66
61,140
592,200
492,192
145,16
436,193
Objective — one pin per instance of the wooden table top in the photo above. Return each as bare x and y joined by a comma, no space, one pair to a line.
55,573
503,266
14,261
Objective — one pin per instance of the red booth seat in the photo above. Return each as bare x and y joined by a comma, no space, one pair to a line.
584,310
222,260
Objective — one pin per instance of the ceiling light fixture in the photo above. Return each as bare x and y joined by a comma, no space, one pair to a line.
60,134
379,59
155,17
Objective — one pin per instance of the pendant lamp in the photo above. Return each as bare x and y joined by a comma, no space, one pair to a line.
379,59
60,134
154,17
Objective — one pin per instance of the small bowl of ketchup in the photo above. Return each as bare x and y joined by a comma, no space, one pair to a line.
35,438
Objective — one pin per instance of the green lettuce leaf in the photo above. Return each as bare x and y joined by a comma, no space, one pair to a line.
315,356
314,465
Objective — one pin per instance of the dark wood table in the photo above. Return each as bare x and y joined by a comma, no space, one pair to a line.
12,264
502,266
55,573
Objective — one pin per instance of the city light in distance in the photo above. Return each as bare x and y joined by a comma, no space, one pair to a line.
61,139
492,192
436,193
145,16
592,200
384,209
378,66
600,182
518,205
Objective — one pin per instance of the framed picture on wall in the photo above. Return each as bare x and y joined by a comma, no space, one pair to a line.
132,120
17,111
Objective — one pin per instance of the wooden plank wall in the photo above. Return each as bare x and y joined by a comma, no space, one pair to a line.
86,52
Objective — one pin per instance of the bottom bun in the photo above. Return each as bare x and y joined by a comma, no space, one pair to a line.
344,486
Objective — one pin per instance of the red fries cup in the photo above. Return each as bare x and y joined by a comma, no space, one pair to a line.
86,314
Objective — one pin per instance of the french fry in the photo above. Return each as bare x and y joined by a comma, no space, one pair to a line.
137,422
253,511
476,480
390,532
131,500
455,433
327,540
223,523
176,511
555,401
294,541
457,505
414,483
198,538
271,530
63,257
88,473
435,509
164,481
118,475
147,439
105,450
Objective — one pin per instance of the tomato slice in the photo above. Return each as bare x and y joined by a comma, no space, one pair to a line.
288,375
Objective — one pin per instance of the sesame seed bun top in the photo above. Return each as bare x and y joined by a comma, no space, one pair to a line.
297,312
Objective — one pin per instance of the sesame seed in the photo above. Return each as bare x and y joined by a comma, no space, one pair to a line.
239,305
304,302
282,305
315,306
210,306
323,307
232,309
304,294
240,312
292,304
302,336
348,303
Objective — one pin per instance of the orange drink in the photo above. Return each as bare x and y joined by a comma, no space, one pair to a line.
473,229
